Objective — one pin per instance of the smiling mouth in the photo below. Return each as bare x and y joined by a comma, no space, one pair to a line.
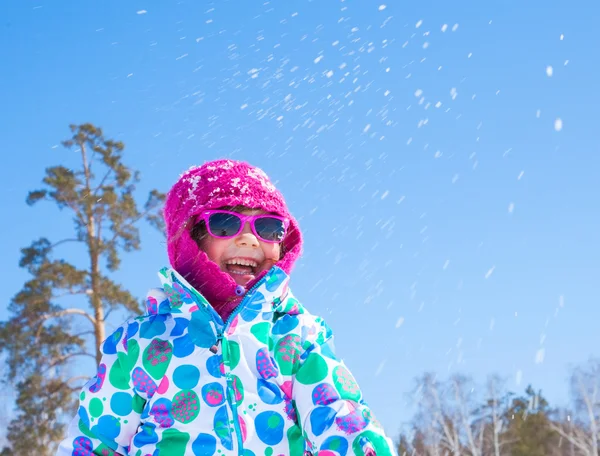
241,266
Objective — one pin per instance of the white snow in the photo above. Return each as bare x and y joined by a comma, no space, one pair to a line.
558,124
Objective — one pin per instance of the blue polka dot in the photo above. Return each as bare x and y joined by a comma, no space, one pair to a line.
110,344
337,444
253,308
275,279
164,307
121,403
108,427
186,376
269,427
204,445
155,326
213,365
269,393
182,347
84,417
213,394
201,331
285,324
146,435
180,325
327,350
221,427
321,419
132,329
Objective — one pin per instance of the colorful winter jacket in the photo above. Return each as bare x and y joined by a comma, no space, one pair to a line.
180,381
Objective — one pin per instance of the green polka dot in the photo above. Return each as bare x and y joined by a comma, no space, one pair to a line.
295,440
118,375
137,404
156,357
104,450
85,431
313,370
82,396
345,384
133,352
238,389
185,406
379,443
96,407
261,332
269,451
173,442
234,354
287,352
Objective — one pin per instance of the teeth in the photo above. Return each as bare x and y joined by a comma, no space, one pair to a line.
242,262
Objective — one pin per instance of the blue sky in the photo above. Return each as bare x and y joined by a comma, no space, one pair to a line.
448,225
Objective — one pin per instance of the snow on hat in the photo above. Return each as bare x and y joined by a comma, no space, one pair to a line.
213,185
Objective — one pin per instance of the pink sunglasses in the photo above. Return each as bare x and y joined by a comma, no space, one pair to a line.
226,224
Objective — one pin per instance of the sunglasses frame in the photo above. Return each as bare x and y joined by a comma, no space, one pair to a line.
205,216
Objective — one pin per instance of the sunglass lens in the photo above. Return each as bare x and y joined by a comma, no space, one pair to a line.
270,229
223,225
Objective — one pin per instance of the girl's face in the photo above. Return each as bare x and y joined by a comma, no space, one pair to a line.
244,256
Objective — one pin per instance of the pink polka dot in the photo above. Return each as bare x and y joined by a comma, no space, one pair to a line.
287,388
164,385
233,325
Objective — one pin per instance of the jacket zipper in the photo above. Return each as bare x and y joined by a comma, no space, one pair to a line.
230,390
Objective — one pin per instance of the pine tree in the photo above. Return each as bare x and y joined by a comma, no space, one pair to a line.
529,426
59,316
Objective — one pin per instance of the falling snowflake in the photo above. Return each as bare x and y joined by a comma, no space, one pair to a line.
558,124
142,12
549,71
539,356
382,7
518,377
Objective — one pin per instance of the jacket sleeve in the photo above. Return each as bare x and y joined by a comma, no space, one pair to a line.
329,403
109,407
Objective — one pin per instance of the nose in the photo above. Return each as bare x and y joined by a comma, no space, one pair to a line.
247,238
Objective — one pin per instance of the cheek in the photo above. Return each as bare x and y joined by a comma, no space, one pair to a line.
271,251
214,248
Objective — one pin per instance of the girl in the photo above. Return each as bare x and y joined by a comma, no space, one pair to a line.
226,360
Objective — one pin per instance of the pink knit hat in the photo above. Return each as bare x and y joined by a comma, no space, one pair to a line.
211,186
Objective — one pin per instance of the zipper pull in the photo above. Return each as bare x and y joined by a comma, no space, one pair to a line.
215,347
